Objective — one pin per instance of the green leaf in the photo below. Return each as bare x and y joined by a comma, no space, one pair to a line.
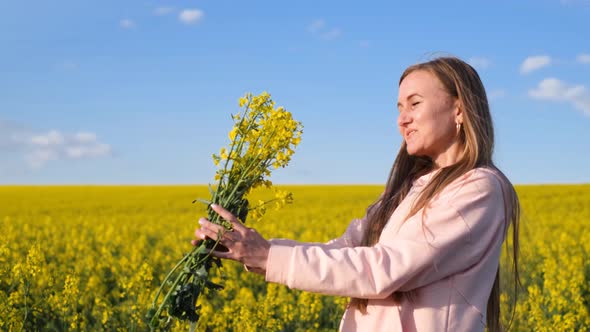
202,273
201,250
204,201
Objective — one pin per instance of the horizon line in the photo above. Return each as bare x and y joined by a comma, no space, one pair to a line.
274,184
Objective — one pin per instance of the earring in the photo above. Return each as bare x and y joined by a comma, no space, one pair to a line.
458,126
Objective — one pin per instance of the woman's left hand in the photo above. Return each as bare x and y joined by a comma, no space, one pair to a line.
244,244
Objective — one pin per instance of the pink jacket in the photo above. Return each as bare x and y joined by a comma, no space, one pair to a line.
449,260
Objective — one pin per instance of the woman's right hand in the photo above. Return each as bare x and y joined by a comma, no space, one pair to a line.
244,245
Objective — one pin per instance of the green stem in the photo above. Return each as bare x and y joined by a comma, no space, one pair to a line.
163,304
170,274
238,148
264,203
227,187
231,149
188,259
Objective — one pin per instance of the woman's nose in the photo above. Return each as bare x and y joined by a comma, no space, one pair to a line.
403,119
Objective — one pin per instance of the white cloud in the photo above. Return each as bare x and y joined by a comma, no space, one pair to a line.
479,63
534,62
190,16
161,11
583,58
127,23
556,90
320,29
53,137
87,151
37,149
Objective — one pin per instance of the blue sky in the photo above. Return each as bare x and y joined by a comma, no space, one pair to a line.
140,92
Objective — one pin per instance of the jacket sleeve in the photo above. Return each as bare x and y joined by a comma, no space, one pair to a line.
351,238
456,230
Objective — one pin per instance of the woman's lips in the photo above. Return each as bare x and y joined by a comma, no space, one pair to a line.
410,132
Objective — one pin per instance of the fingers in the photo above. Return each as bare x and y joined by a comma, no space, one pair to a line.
206,224
242,244
250,249
223,254
212,231
225,214
254,270
215,253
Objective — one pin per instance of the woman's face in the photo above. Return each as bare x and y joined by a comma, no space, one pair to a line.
428,118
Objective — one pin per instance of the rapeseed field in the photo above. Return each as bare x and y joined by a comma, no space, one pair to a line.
89,258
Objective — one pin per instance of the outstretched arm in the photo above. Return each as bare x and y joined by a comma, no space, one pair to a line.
457,230
247,246
351,238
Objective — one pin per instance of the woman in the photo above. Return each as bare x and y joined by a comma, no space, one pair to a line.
426,255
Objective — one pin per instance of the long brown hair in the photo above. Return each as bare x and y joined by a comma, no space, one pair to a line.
476,137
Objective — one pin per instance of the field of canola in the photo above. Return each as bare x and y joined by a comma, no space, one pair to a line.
91,257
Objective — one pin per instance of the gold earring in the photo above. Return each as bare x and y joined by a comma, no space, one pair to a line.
458,126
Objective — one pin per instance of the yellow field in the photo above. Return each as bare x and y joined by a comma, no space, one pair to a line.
90,258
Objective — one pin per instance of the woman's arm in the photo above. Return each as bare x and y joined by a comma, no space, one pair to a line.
248,247
351,238
458,229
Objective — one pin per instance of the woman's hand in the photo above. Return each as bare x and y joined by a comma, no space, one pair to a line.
243,244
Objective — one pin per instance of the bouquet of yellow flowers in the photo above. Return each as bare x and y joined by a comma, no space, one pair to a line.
263,138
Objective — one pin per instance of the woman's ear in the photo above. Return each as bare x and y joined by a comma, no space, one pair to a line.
458,112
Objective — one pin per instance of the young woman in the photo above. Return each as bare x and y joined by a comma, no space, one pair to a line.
426,255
